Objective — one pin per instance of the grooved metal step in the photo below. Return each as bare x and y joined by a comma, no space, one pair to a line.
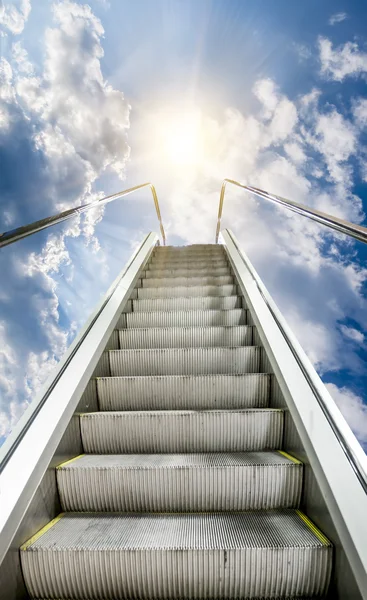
185,361
188,318
198,303
190,256
208,555
181,431
186,392
185,337
180,482
173,282
194,248
188,291
189,272
191,263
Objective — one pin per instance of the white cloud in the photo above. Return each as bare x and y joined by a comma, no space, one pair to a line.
278,108
14,15
337,18
295,152
316,339
355,277
310,99
284,120
82,119
90,113
49,260
360,112
20,58
38,368
353,334
266,92
344,61
352,408
336,139
10,406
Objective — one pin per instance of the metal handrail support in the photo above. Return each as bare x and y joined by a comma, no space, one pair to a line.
356,231
9,237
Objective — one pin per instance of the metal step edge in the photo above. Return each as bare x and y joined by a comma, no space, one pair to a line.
182,255
186,264
187,247
186,292
156,282
193,303
188,250
185,361
177,272
193,318
182,431
184,337
180,482
235,552
251,390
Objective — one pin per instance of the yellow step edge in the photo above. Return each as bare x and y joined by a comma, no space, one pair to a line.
315,530
290,457
39,533
67,462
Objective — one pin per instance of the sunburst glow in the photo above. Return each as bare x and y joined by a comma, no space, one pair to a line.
182,139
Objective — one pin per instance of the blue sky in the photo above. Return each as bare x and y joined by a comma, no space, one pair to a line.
93,99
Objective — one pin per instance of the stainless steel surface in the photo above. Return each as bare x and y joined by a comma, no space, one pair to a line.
192,291
184,318
163,271
193,303
182,431
184,361
341,226
200,392
193,249
180,482
332,468
184,337
43,425
172,282
9,237
187,263
212,555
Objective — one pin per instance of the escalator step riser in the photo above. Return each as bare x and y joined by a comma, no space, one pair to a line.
180,318
187,291
185,337
189,272
184,392
181,431
185,361
191,263
209,555
198,303
173,282
180,483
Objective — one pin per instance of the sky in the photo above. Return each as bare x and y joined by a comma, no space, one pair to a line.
97,97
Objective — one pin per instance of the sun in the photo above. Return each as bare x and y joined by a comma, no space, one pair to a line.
182,139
